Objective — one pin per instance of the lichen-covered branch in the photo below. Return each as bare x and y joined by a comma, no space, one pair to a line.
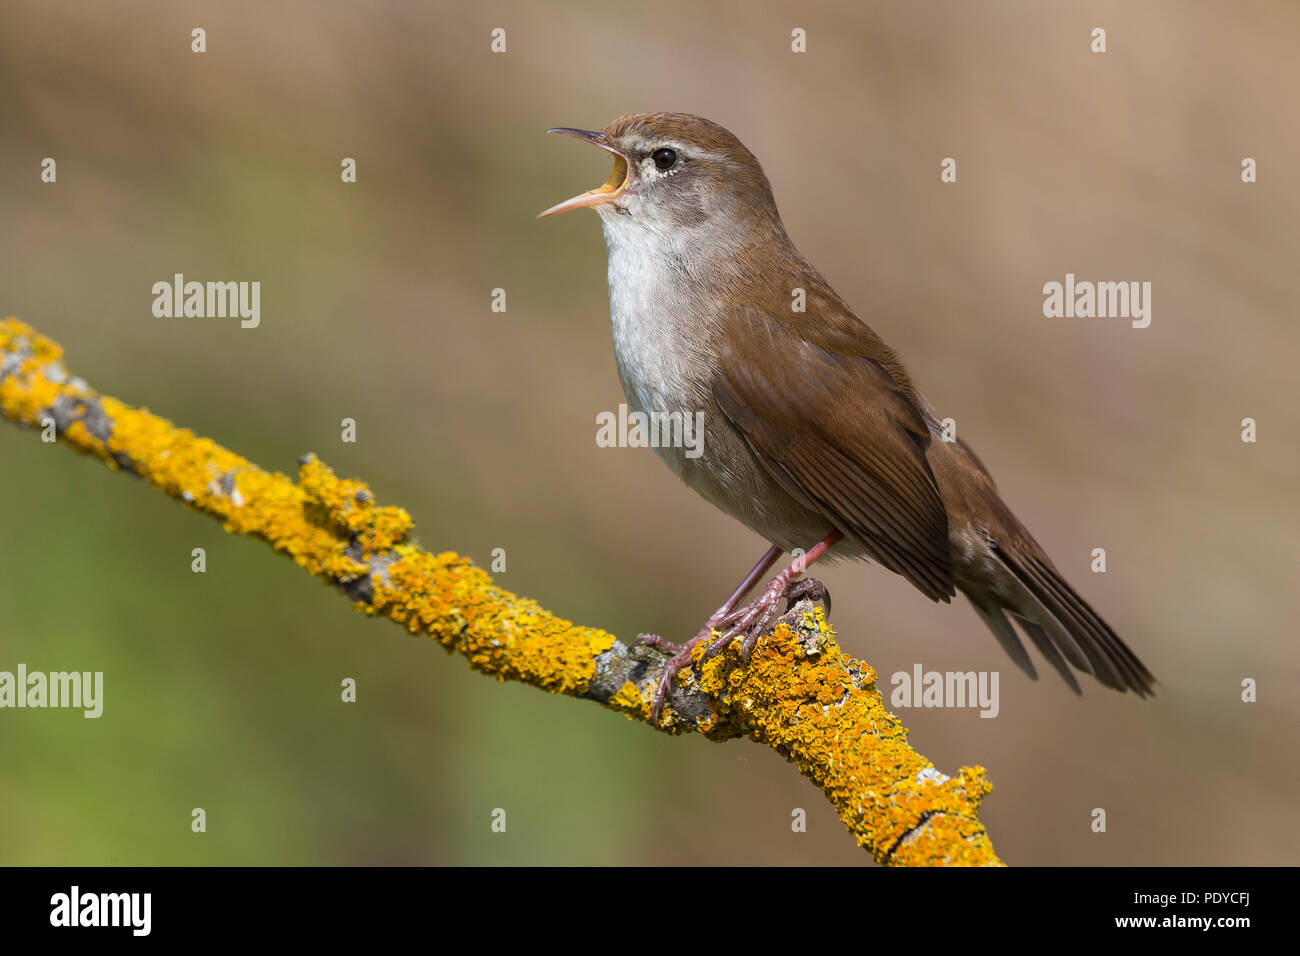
800,694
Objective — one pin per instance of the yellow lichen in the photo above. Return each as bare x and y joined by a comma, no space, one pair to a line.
799,694
822,711
629,700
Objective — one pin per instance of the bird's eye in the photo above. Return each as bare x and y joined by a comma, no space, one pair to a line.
664,157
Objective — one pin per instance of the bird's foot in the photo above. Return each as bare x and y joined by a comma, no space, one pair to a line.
809,588
680,657
663,644
751,621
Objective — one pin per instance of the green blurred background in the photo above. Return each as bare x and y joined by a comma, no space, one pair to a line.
222,689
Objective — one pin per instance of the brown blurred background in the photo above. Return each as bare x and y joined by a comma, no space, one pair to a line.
222,689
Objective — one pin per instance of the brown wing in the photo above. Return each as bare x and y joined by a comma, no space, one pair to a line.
828,411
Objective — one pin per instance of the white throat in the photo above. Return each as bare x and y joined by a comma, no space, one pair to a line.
655,327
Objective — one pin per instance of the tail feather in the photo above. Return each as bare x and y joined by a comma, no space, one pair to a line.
1008,577
1049,650
997,622
1064,626
1033,608
1111,650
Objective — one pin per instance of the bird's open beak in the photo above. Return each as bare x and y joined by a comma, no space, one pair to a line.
612,188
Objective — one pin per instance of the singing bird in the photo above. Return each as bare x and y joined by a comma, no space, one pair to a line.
814,435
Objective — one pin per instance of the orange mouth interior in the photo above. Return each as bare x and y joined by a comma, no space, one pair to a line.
617,179
612,188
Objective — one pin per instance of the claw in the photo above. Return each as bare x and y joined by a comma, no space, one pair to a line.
681,657
654,640
720,644
749,623
808,588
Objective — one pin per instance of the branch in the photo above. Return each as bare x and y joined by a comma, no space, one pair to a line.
799,695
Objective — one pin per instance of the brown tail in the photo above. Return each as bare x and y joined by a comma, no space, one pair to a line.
1061,624
1008,577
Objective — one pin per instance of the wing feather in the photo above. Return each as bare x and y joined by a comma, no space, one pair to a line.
841,433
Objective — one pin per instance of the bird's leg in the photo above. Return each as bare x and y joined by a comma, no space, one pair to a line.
744,587
752,620
681,653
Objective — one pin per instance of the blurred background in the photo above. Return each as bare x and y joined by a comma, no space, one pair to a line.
222,689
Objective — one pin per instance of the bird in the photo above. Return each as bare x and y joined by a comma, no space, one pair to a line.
815,436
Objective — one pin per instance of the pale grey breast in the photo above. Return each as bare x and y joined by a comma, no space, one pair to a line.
666,363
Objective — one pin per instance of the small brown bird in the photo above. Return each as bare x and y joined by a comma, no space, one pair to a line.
814,435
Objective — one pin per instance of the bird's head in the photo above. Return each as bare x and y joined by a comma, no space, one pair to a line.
673,173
